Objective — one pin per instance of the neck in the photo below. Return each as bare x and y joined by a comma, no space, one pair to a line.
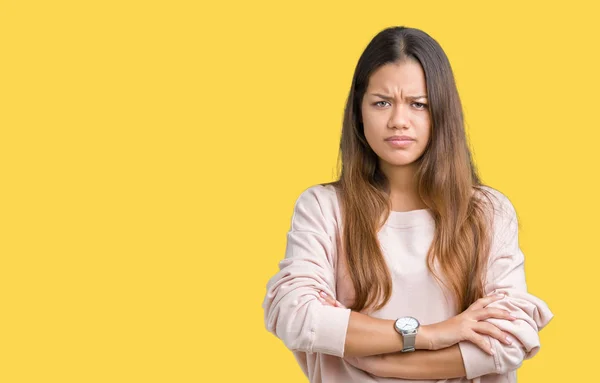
404,193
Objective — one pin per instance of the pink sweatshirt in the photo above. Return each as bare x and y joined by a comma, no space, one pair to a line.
316,333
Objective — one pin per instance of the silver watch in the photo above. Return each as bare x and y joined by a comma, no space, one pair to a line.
408,328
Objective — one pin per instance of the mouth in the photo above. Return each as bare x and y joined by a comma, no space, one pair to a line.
400,139
400,142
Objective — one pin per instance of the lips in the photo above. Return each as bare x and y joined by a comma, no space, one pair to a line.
399,138
400,142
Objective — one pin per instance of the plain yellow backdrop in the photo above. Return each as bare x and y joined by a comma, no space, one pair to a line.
151,153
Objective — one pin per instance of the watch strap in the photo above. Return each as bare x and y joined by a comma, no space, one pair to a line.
408,341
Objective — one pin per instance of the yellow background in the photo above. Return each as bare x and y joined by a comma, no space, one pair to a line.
151,153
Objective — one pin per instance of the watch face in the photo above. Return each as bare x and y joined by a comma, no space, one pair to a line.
407,324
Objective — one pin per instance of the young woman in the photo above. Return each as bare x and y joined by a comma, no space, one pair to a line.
407,266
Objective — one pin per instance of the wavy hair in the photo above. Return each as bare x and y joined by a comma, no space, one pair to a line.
448,182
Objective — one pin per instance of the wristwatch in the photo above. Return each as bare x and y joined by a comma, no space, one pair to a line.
408,328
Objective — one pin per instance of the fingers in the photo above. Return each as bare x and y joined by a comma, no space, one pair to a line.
490,312
491,330
482,342
324,299
328,300
483,302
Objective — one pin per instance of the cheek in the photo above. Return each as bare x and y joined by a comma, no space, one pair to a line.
424,127
369,121
370,137
371,127
374,124
426,133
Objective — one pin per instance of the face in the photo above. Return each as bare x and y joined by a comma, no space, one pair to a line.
395,105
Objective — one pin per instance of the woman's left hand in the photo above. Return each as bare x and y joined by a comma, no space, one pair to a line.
329,301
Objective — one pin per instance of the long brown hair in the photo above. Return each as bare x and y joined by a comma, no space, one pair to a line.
448,182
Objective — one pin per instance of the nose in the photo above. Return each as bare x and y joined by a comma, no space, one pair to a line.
399,119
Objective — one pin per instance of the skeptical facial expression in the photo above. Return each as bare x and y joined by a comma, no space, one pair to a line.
395,113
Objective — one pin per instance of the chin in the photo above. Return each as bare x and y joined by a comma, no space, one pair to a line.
400,161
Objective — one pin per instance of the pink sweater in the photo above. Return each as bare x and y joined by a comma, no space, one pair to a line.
316,333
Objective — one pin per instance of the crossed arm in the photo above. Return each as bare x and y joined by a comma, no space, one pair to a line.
444,363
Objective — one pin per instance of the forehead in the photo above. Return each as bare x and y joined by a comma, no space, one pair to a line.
406,77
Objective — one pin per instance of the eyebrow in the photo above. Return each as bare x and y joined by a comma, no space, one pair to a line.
390,98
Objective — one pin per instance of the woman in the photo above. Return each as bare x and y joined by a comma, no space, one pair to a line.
407,266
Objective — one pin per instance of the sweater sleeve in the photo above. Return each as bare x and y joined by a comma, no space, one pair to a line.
506,275
292,311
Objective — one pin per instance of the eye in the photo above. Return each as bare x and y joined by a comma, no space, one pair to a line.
420,105
379,102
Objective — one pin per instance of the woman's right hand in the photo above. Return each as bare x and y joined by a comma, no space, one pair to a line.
469,325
